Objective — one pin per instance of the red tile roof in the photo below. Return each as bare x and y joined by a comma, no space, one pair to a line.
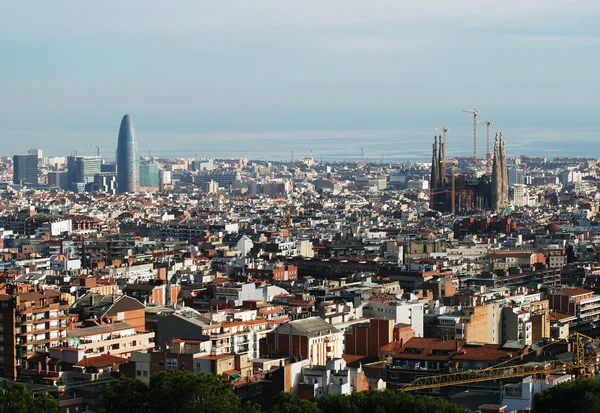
103,360
442,350
273,310
557,316
572,292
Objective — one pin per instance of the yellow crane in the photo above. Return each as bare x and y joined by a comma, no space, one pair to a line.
580,367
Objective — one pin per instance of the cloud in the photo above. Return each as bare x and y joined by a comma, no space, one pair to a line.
370,43
554,40
200,15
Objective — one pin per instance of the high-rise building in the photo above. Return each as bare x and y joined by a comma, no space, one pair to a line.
105,182
516,175
58,179
31,322
149,174
128,160
81,171
25,169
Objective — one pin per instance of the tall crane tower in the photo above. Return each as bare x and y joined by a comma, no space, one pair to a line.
98,147
474,112
488,155
444,129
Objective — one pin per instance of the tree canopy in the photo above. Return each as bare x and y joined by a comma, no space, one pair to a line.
384,402
581,396
177,391
173,391
17,399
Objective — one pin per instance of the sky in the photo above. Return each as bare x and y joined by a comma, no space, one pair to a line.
267,77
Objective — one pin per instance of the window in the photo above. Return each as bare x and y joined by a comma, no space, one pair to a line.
145,372
171,364
138,373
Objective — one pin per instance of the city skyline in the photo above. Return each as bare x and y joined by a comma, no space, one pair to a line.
371,69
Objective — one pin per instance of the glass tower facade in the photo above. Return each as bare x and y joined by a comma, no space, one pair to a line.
149,174
128,160
25,169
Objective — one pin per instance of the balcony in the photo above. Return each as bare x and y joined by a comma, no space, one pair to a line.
120,342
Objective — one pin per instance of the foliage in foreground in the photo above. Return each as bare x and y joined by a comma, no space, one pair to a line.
178,391
581,396
17,399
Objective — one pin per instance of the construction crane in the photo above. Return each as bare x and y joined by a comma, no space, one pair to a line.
98,147
580,367
488,155
444,129
474,112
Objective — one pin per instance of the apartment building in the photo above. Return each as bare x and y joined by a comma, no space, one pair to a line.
319,381
580,303
29,322
420,357
504,260
310,338
480,323
236,337
517,325
118,339
400,311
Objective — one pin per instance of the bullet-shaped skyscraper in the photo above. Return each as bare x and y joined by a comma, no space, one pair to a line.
128,161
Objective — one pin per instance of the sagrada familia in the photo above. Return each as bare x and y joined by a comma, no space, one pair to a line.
463,193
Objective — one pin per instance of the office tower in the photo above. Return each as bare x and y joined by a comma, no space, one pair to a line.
108,168
164,179
81,171
516,175
31,322
105,182
25,169
149,174
127,158
58,179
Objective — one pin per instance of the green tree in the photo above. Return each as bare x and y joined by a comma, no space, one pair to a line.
44,403
17,399
385,402
288,403
127,395
581,396
183,391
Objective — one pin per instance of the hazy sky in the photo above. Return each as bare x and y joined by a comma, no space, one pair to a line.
190,71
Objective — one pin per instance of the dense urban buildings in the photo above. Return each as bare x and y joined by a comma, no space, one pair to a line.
467,193
127,158
309,277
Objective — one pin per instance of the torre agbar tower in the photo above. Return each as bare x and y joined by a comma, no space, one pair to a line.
128,161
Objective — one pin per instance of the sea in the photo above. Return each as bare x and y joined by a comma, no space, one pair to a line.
374,135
